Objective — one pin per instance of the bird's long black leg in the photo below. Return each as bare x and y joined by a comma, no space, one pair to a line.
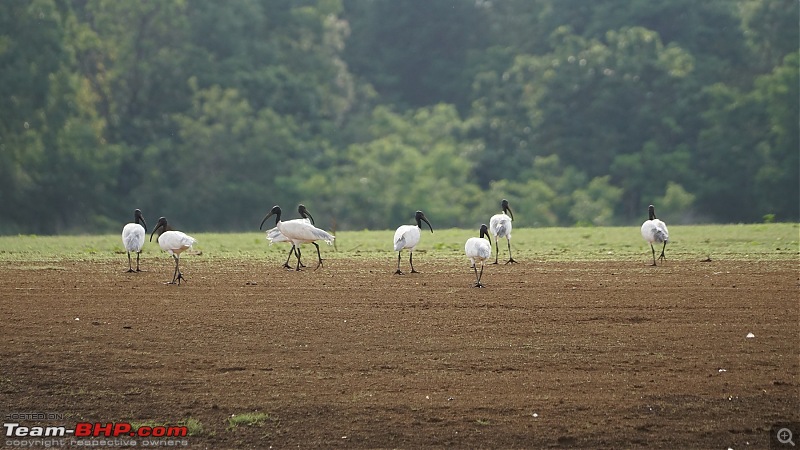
177,266
319,257
297,250
411,261
137,261
496,249
398,271
178,269
510,259
291,252
663,258
175,273
480,276
130,266
654,253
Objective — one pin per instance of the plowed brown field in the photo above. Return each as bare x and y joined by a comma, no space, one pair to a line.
589,354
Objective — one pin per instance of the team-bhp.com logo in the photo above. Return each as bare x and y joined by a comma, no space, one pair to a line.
97,429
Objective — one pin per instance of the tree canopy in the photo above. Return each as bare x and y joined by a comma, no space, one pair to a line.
579,113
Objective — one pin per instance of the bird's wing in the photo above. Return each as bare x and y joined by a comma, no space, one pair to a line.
484,249
399,243
322,235
500,225
647,230
303,231
185,239
175,240
478,248
133,237
400,237
663,228
274,235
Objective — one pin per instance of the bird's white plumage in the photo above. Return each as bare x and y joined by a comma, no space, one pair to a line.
133,237
274,235
297,231
500,226
175,242
406,236
477,249
300,231
655,231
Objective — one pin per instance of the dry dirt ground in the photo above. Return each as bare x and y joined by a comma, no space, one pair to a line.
548,355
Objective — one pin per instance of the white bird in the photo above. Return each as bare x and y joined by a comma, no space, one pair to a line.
274,234
500,225
654,230
299,232
174,243
407,236
133,238
479,249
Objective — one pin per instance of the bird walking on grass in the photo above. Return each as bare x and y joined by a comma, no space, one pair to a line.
478,249
407,236
500,225
173,242
655,231
299,231
133,238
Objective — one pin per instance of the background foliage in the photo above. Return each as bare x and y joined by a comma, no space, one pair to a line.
577,112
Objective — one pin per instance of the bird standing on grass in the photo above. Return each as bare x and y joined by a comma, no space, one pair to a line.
174,243
299,231
133,238
654,230
407,236
479,249
500,225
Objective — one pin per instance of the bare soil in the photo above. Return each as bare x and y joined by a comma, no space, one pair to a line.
548,355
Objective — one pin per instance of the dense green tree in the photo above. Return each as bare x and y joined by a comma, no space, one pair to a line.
57,171
415,52
600,105
771,30
577,112
751,146
413,161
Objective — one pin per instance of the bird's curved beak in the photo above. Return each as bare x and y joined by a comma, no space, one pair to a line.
144,224
507,209
154,231
310,217
265,219
426,221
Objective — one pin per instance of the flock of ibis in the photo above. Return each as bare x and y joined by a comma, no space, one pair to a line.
303,231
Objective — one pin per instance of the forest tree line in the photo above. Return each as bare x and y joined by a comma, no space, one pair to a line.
578,112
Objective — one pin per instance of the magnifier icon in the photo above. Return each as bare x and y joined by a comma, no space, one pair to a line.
785,436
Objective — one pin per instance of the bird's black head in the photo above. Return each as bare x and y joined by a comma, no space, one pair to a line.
420,216
506,208
301,208
138,218
160,225
651,211
276,211
485,232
